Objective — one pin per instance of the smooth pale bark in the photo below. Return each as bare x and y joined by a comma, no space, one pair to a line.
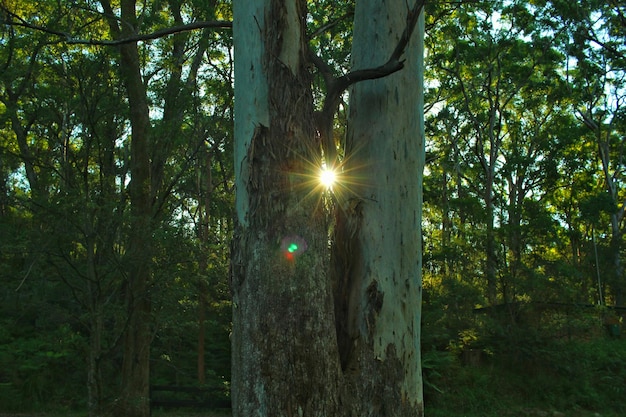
385,148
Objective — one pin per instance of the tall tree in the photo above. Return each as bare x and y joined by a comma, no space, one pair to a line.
592,35
81,209
149,177
309,339
134,400
494,128
282,307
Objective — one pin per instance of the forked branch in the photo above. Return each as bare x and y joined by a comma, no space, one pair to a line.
335,86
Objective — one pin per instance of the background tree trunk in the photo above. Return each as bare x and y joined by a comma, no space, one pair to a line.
135,375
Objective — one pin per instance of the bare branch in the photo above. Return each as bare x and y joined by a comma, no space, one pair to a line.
214,24
588,121
604,45
12,19
394,63
336,86
330,25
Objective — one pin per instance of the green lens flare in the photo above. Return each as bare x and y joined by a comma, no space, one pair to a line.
292,246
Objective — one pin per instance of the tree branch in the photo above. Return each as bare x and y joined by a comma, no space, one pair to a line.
330,25
11,19
606,46
335,86
394,63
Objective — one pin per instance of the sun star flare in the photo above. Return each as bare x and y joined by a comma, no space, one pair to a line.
327,177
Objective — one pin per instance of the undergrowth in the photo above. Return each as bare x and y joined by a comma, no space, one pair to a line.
560,378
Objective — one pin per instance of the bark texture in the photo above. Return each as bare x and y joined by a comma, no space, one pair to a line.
283,341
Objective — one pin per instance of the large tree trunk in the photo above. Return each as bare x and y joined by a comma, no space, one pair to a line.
296,351
283,341
385,148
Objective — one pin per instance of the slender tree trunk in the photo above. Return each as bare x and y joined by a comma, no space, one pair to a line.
205,190
490,241
202,306
94,374
136,363
21,134
135,373
4,192
173,106
617,279
618,267
516,199
446,225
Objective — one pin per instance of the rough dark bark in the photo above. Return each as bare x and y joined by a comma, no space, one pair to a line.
284,360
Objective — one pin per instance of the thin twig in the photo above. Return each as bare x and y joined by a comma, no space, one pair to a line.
25,276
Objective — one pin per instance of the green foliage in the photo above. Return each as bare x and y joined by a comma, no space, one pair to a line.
520,358
33,359
65,215
435,364
592,207
598,369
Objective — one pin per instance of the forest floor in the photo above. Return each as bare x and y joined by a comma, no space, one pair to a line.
518,412
522,412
